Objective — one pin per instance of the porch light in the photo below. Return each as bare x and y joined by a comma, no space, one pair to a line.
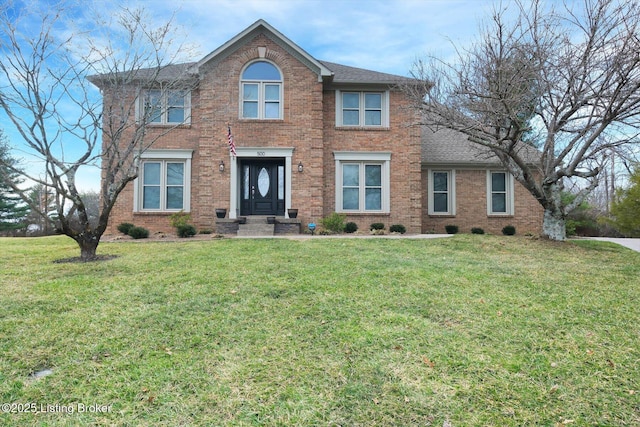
300,167
221,166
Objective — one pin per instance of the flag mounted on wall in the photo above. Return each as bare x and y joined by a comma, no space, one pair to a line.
232,145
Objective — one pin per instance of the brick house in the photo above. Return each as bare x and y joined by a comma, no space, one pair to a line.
311,135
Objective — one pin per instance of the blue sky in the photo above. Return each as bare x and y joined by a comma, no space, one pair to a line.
381,35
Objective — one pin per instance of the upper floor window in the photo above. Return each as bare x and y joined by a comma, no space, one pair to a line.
362,109
261,88
167,107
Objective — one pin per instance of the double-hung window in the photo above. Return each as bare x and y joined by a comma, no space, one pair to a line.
261,91
167,107
499,193
362,182
362,109
164,181
441,192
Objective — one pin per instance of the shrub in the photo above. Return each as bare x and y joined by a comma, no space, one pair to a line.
377,226
179,219
477,230
138,232
398,228
125,227
206,231
509,230
334,223
350,227
186,230
451,229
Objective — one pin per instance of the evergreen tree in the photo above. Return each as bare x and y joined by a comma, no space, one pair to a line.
13,211
626,207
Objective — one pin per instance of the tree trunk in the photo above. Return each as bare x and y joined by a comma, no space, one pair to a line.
88,243
554,225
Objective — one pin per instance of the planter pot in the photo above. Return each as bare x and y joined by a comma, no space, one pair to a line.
221,213
293,213
271,220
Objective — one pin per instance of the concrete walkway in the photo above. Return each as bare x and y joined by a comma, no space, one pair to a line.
629,243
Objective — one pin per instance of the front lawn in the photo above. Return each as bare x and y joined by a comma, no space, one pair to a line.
474,330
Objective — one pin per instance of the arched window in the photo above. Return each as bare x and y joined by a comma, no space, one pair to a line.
261,91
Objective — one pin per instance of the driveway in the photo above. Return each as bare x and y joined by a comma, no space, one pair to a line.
629,243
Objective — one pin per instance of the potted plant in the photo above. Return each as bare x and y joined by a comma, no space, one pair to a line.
293,213
221,212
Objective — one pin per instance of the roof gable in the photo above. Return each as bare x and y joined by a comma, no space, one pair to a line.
262,27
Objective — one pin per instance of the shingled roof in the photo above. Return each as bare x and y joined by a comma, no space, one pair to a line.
347,74
451,147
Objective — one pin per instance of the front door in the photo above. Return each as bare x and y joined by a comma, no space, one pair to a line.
262,187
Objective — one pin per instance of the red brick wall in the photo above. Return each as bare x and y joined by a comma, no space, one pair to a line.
214,106
471,207
402,140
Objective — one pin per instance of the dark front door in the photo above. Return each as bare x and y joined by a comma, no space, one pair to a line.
262,187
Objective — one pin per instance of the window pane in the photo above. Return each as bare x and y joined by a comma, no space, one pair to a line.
372,118
245,181
250,110
153,106
175,173
250,92
498,181
440,202
350,199
151,173
272,92
440,181
176,115
175,99
261,70
373,199
151,197
280,182
373,175
499,202
372,101
350,175
272,110
350,118
351,100
174,197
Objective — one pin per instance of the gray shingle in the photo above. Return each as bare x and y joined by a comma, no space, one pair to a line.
347,74
451,147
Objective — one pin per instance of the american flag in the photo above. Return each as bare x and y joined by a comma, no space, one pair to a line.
232,145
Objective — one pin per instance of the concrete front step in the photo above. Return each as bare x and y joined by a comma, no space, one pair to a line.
256,229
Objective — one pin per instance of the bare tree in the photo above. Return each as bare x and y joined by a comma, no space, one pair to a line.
566,82
49,92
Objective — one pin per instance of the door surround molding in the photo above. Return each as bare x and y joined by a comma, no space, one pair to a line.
258,153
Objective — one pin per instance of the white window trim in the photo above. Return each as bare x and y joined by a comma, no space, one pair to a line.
384,119
451,186
261,93
140,107
510,191
175,156
381,158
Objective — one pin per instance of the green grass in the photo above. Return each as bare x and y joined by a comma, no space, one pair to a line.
477,330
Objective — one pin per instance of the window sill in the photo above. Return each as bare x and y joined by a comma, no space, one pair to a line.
157,213
500,215
364,128
441,215
169,125
376,213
